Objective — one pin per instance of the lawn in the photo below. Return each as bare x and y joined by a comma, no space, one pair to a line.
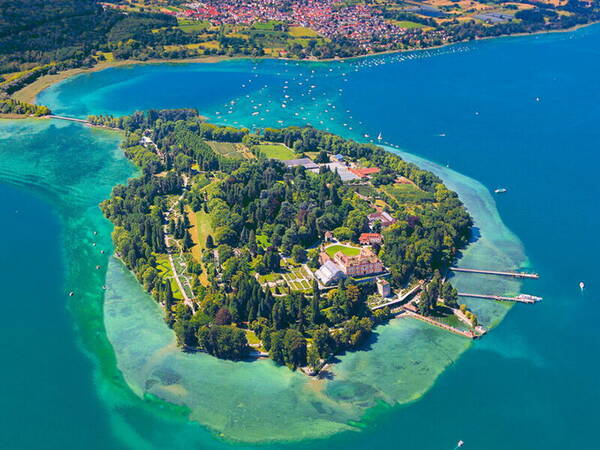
204,228
164,268
349,251
277,151
407,24
252,338
194,233
270,277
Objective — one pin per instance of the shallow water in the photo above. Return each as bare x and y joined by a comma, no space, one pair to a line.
510,390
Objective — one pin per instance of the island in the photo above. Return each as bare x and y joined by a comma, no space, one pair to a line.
285,243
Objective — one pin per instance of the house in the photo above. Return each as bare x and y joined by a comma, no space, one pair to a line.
328,236
338,157
307,163
329,273
365,172
383,288
370,238
365,263
403,180
382,217
341,170
145,141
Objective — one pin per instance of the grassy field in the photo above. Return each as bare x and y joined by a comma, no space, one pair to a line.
266,26
407,24
402,194
193,26
277,151
203,229
349,251
229,149
194,233
164,268
302,32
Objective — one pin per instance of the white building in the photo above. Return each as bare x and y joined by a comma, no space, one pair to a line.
329,273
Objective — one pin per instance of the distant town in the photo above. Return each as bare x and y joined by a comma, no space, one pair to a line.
100,34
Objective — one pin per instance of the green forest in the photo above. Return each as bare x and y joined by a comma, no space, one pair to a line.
266,223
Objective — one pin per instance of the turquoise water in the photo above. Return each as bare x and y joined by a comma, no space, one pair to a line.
529,384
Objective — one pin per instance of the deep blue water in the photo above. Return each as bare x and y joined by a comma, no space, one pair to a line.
46,385
521,113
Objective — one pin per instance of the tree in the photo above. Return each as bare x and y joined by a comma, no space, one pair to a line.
223,341
223,316
312,357
299,253
295,348
343,234
188,243
209,242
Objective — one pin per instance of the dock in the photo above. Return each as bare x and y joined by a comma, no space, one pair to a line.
530,299
496,272
468,334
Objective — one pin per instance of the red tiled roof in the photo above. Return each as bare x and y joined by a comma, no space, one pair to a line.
364,172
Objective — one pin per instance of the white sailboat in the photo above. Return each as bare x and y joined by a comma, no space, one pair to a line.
379,137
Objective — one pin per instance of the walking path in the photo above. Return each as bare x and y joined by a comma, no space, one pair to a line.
188,301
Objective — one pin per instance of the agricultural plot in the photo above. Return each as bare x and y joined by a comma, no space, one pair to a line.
229,149
402,194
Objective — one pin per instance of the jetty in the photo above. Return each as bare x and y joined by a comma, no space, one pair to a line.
530,299
496,272
470,334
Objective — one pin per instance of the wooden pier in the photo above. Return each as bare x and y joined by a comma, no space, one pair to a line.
500,298
496,272
468,334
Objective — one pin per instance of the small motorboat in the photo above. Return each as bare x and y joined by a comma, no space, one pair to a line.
500,190
460,444
581,285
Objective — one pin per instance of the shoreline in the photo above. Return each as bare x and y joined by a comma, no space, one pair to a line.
30,92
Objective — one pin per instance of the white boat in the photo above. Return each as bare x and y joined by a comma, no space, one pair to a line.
500,190
379,136
529,297
581,285
460,444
